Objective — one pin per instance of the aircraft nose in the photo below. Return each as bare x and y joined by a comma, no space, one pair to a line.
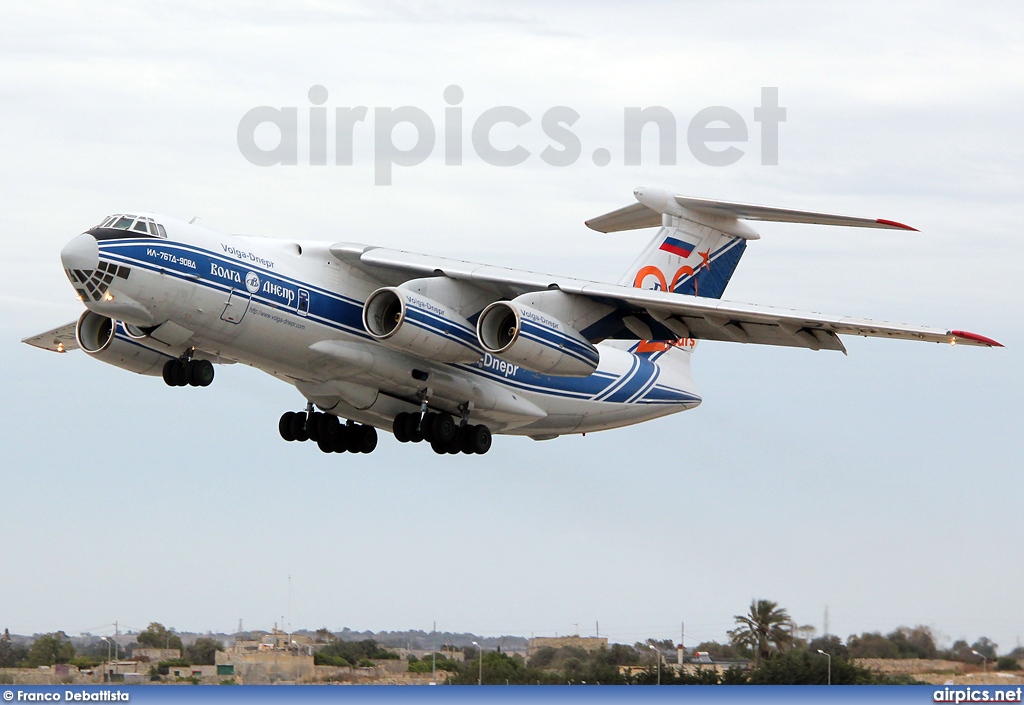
81,253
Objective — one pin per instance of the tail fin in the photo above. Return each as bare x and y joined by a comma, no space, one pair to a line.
685,257
700,241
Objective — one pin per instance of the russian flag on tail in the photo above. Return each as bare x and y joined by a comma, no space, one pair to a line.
677,247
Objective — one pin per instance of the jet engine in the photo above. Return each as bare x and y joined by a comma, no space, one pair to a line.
535,340
98,336
409,322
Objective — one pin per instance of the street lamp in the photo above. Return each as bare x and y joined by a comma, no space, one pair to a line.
480,656
825,653
984,660
106,675
657,656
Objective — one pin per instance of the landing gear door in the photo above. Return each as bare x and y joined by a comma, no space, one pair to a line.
236,306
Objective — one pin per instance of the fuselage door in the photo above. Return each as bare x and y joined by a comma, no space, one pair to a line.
236,306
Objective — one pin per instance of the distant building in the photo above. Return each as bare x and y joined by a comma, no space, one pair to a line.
142,653
587,643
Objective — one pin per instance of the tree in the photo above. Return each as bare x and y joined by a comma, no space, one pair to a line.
986,647
831,645
803,667
203,651
6,651
871,645
50,649
157,636
916,642
762,629
324,636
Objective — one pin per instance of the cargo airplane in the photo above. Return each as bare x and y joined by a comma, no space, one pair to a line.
435,349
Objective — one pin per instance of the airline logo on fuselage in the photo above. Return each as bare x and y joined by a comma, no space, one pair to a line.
248,256
489,362
224,273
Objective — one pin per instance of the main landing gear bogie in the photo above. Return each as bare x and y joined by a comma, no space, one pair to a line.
329,434
186,373
443,433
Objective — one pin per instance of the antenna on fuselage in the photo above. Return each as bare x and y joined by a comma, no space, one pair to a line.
194,219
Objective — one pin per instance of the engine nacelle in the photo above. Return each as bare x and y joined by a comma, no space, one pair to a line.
99,336
535,340
413,323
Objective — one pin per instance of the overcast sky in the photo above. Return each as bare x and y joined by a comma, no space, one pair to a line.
886,485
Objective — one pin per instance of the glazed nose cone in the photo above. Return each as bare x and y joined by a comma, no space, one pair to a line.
81,253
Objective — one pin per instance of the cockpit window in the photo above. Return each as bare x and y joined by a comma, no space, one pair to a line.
126,221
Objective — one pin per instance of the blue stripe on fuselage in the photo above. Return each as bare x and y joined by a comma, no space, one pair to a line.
331,309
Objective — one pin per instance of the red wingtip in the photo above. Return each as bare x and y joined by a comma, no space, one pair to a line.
894,224
975,337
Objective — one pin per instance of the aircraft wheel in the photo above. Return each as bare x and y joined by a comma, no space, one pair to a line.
299,426
444,427
313,425
328,426
170,374
465,439
326,445
481,439
413,429
438,447
284,426
340,439
428,427
200,373
181,373
367,438
399,428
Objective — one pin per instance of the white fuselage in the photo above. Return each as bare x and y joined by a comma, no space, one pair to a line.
294,310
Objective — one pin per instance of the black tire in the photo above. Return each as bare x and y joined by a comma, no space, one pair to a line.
481,439
399,429
352,438
299,426
284,426
200,373
313,425
170,373
340,440
438,447
428,427
367,438
444,427
328,427
453,447
182,372
412,428
465,439
326,445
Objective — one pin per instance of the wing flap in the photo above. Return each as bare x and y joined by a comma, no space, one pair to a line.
59,340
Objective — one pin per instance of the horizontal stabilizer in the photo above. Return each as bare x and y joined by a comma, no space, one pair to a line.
653,203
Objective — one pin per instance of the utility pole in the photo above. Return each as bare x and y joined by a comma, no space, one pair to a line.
826,620
433,653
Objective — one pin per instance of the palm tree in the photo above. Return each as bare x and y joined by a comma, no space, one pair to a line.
763,629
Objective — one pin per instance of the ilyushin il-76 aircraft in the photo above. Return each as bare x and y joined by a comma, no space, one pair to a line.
436,349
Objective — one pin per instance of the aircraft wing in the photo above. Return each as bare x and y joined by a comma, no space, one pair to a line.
60,339
659,315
